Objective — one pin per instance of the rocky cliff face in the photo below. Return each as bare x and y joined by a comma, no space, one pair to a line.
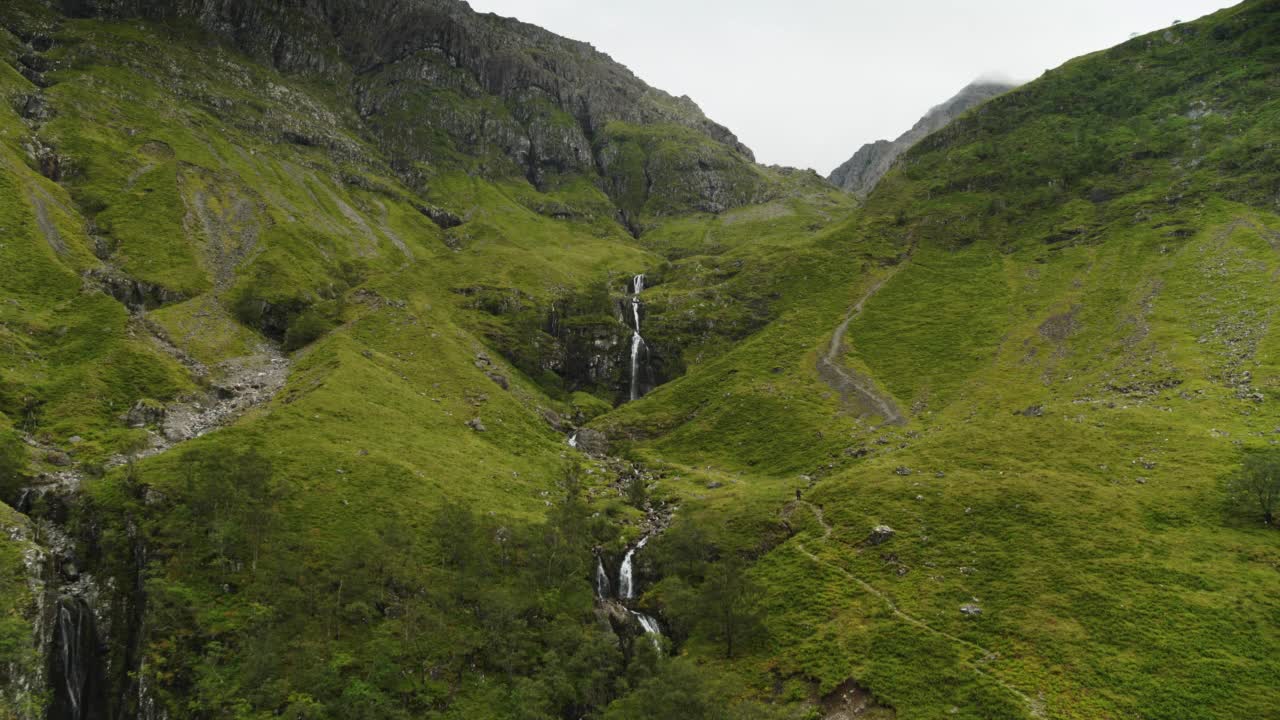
439,86
861,172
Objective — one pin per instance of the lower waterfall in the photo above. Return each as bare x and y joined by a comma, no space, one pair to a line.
651,628
626,586
75,675
603,590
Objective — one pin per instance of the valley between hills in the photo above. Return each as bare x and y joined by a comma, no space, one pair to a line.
364,359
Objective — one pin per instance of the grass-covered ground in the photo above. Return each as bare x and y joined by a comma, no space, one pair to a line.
296,557
1069,293
1085,342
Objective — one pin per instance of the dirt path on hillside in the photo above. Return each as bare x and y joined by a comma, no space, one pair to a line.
857,391
1034,707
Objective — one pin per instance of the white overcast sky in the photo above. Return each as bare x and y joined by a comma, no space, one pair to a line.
806,82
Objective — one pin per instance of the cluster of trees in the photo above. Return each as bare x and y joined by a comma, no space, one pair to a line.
465,614
233,496
706,591
462,615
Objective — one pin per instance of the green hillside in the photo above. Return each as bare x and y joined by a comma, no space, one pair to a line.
300,308
1082,330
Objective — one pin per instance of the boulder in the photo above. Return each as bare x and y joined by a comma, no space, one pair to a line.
145,412
552,418
593,442
476,424
57,458
970,610
880,534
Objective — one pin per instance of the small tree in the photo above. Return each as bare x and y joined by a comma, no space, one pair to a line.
729,603
637,492
685,549
1257,483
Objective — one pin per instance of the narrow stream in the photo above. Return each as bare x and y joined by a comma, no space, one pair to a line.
603,590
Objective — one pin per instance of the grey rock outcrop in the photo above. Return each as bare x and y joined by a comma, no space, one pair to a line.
860,174
145,412
593,442
432,80
134,294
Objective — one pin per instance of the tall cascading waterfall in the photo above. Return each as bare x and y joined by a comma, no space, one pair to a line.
627,591
639,349
76,674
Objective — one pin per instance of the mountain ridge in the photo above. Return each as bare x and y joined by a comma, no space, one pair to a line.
558,96
860,173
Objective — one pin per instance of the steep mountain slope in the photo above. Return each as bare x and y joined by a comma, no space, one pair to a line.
860,173
318,333
211,219
1077,323
442,87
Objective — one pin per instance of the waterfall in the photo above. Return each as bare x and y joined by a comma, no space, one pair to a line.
81,626
627,591
638,346
626,588
573,440
602,580
651,628
637,287
77,684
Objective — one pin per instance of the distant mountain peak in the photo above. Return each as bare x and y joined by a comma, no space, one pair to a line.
860,173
